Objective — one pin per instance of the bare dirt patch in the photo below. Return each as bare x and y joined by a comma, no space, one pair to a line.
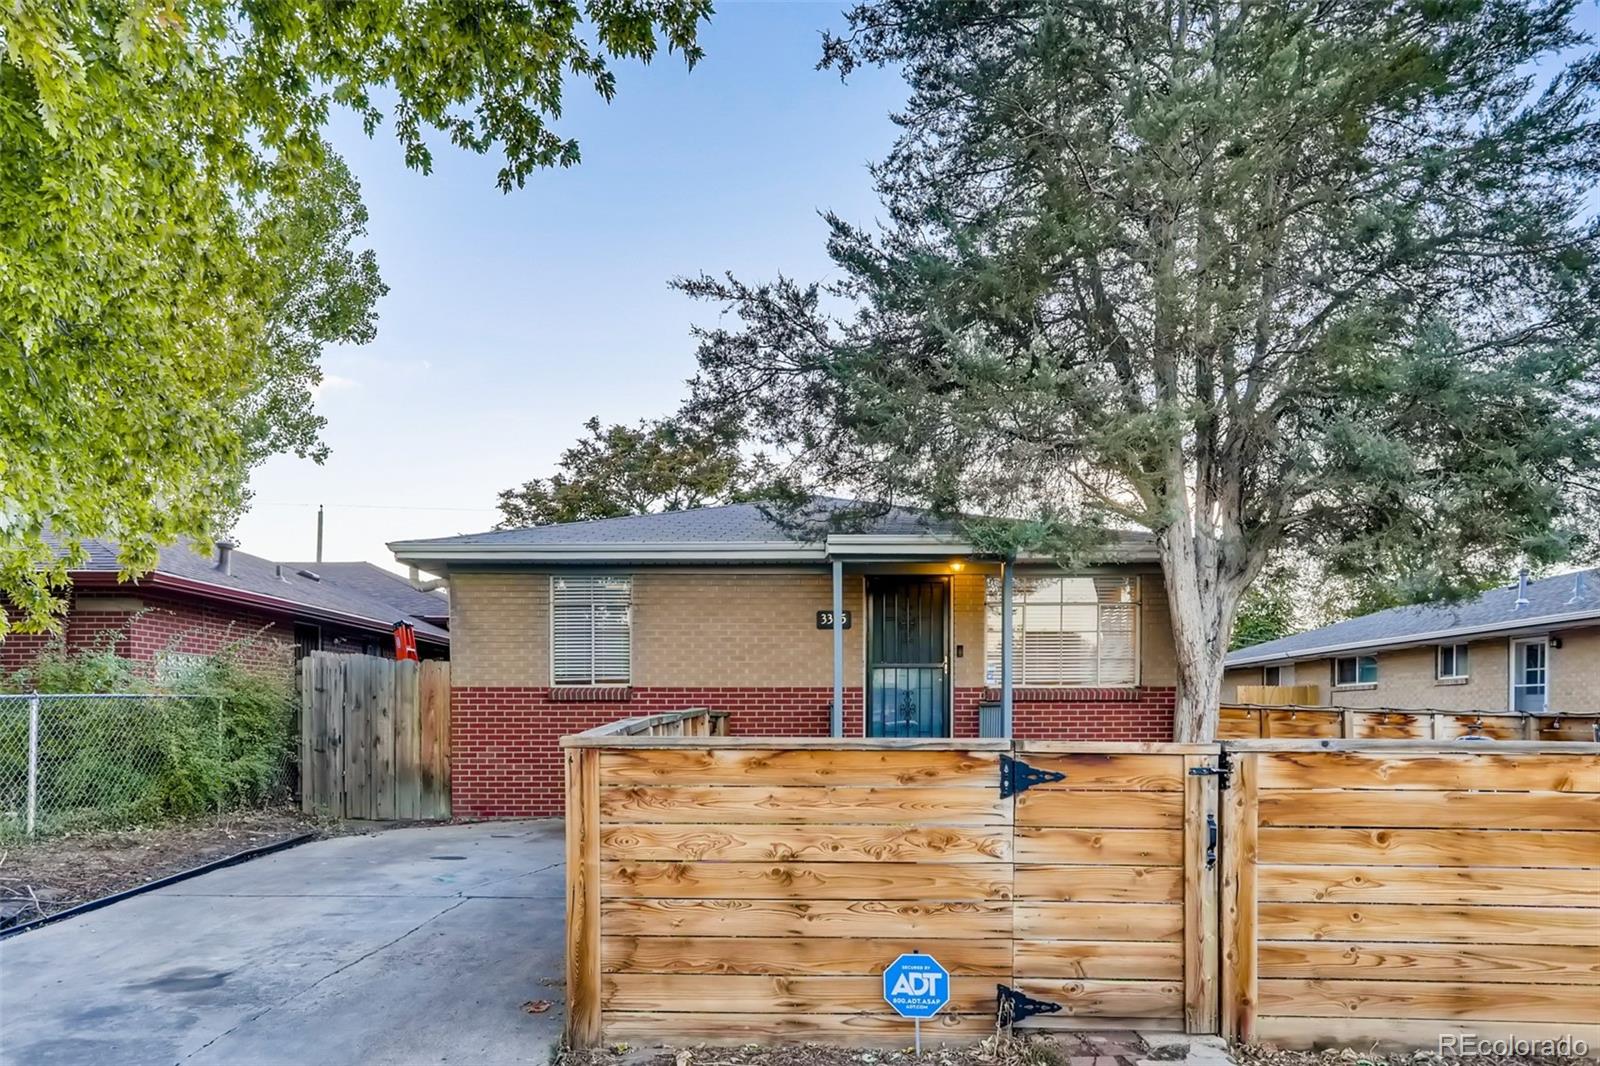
1108,1048
50,875
1268,1055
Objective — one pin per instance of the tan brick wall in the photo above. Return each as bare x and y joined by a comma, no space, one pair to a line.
715,629
499,629
1575,671
1405,679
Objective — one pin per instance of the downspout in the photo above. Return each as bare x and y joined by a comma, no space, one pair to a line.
836,716
1006,574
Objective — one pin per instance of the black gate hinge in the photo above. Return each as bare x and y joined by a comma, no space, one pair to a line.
1013,1006
1223,771
1017,776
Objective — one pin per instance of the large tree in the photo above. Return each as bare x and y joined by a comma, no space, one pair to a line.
178,244
1298,275
666,464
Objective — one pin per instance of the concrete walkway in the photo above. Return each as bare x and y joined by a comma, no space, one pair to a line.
407,946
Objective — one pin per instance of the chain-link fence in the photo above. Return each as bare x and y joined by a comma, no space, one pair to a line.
76,760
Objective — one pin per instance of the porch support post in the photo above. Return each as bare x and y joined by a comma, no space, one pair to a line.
1006,569
836,717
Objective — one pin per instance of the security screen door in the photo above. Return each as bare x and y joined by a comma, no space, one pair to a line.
1530,668
908,664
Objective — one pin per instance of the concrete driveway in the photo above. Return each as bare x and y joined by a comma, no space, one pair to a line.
407,946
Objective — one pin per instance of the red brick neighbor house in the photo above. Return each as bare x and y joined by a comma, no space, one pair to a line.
556,629
194,604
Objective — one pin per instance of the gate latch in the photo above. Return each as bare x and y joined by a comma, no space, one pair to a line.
1223,771
1211,841
1017,776
1013,1006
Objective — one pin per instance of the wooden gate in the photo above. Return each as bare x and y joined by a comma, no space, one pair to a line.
1116,886
374,737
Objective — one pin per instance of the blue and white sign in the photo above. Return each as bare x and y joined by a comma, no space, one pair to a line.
916,986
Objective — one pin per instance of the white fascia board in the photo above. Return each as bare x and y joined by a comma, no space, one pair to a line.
894,545
1412,640
422,553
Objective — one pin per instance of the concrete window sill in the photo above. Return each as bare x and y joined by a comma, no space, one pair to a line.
1367,687
1450,681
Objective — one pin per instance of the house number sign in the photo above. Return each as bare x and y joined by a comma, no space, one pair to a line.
825,620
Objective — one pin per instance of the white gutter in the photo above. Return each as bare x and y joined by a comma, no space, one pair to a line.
1411,640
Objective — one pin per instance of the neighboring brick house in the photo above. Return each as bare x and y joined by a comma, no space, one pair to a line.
1532,646
560,628
194,604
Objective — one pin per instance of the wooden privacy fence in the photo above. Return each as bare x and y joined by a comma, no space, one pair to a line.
374,737
746,888
1243,721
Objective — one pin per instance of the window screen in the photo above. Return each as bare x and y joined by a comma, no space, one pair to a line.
1067,631
591,630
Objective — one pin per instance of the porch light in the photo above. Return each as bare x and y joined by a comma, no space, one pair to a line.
958,566
1127,591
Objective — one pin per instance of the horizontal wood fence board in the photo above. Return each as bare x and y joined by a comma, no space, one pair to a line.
1399,1034
1121,959
1426,884
1420,999
855,918
1454,772
805,880
1494,963
1108,999
803,843
740,993
1109,847
1444,810
801,805
1084,808
592,739
771,766
1104,770
885,1029
1103,884
1303,724
1439,747
1427,923
1429,847
1111,747
1494,727
797,956
1098,921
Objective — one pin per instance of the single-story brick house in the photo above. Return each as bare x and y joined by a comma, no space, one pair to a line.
1529,646
559,628
194,604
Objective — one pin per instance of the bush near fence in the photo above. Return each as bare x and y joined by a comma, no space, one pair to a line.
113,748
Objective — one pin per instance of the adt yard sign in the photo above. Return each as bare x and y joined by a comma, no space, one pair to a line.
916,986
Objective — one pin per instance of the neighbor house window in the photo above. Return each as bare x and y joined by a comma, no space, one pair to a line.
1067,631
1272,676
1356,670
591,630
1452,662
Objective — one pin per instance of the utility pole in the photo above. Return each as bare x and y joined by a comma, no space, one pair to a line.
319,532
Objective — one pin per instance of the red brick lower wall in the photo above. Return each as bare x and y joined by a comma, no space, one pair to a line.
506,760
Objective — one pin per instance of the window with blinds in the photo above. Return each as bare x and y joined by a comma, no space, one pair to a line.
591,630
1067,631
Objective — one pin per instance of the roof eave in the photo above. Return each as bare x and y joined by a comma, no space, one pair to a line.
1411,640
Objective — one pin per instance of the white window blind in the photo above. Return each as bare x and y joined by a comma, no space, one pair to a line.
1067,631
591,630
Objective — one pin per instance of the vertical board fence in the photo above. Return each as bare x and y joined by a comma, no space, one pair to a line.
747,888
374,737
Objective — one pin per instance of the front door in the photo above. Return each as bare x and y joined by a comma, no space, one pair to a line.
1530,675
908,665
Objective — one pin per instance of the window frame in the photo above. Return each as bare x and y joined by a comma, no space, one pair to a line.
551,632
1358,681
1460,662
1267,678
1135,632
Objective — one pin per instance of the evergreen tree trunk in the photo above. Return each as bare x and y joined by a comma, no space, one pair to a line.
1205,575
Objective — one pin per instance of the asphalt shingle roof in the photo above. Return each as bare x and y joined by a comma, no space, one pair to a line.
735,523
1548,598
360,589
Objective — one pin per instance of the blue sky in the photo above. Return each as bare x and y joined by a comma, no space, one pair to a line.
511,318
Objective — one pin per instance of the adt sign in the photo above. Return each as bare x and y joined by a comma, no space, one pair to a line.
916,986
